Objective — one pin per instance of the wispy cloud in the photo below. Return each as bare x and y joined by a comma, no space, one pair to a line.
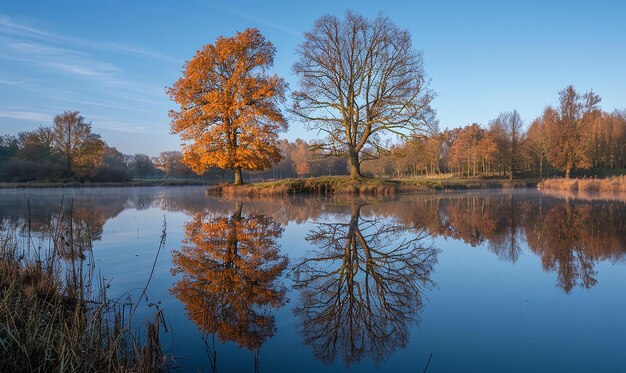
108,104
10,27
58,58
120,126
72,62
10,82
26,115
258,20
46,73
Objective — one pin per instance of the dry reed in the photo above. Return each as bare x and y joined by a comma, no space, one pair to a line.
611,184
55,314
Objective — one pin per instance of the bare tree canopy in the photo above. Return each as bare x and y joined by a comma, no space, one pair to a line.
570,134
359,80
362,286
508,128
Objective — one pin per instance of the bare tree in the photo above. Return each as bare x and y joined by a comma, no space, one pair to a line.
539,136
360,80
509,126
301,157
36,145
569,138
171,164
141,165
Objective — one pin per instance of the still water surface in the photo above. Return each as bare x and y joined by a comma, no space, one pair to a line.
483,281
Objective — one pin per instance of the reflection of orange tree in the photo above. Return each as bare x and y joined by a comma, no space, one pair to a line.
361,288
231,269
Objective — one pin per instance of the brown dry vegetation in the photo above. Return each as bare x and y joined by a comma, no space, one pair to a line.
611,184
53,317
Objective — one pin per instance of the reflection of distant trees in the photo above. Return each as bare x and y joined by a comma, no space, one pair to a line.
142,201
592,230
361,287
75,229
109,202
570,235
559,238
231,276
40,210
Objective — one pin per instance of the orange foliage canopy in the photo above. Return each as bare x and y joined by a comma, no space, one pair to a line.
229,105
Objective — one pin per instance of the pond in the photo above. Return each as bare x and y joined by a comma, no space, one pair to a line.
453,281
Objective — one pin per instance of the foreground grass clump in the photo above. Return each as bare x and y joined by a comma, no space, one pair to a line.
611,184
362,186
54,318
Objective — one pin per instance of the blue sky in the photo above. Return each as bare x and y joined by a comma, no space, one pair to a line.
112,59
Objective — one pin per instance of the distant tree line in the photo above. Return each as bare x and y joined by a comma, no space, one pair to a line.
66,150
575,136
302,159
69,150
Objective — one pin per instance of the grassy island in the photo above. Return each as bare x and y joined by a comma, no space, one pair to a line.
348,185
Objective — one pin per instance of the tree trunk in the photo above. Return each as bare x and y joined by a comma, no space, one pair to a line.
474,160
232,238
238,210
69,167
541,168
567,171
355,167
238,176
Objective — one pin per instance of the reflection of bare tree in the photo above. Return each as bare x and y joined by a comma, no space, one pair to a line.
506,244
231,269
361,288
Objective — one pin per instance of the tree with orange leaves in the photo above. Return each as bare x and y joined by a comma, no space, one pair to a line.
229,111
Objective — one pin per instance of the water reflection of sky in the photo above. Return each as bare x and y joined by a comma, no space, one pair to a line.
512,287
